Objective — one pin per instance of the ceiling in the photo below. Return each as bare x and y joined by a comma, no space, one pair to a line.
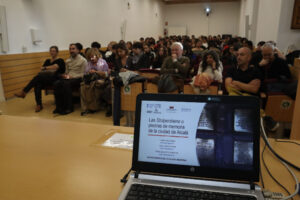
194,1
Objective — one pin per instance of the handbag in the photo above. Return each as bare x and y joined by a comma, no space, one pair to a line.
88,78
197,80
166,84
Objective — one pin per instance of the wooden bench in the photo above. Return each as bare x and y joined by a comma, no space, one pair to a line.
295,134
149,73
18,69
280,106
129,94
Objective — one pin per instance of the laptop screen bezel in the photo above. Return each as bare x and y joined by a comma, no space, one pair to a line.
198,171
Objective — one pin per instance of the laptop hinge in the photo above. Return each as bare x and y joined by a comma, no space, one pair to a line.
136,174
252,185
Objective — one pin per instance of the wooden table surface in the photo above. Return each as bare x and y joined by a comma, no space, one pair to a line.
49,159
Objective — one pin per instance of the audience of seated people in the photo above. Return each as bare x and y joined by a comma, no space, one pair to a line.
243,79
149,56
274,69
129,46
95,87
136,60
176,65
112,56
97,45
80,48
50,72
247,69
109,50
210,69
161,54
120,64
257,55
75,66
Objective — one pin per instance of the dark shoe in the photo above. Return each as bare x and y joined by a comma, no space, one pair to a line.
270,124
91,111
38,108
66,112
56,111
21,94
121,114
84,113
108,113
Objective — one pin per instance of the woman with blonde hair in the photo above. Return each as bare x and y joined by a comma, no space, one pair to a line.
96,85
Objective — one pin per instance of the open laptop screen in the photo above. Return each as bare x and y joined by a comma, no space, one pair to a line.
207,133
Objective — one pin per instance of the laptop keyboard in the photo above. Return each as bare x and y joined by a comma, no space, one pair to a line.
150,192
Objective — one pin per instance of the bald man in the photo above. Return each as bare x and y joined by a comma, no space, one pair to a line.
272,65
243,79
176,65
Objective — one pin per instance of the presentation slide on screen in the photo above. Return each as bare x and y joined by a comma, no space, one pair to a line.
196,134
168,132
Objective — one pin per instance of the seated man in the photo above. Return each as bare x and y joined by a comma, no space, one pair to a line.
137,60
275,68
149,56
176,65
243,79
75,66
257,55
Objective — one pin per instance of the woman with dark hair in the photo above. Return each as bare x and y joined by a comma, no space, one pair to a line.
120,64
161,54
129,46
80,48
50,72
210,69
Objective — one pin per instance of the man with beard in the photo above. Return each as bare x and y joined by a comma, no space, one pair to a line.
75,66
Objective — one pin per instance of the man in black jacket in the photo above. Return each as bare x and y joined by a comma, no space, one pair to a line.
137,60
273,68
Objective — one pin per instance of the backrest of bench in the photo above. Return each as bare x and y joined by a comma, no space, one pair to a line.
18,69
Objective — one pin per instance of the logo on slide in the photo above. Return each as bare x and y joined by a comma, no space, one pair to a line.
154,108
171,109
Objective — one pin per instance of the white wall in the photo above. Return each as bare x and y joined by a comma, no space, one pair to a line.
63,22
20,17
224,18
268,20
248,8
287,36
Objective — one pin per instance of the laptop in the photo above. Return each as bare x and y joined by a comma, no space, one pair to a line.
195,147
